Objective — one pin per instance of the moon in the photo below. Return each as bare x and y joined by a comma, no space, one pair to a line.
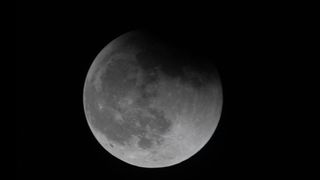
149,102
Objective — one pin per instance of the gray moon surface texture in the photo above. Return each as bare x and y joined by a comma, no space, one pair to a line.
150,104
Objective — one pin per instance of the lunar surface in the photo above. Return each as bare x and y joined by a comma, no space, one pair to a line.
149,103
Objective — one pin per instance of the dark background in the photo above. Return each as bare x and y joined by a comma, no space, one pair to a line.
57,42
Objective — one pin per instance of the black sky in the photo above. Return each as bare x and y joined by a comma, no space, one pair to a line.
56,44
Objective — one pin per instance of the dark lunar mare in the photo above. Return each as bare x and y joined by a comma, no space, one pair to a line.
115,85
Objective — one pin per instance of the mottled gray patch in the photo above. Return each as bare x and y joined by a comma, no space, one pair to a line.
159,123
145,143
117,81
121,133
114,80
